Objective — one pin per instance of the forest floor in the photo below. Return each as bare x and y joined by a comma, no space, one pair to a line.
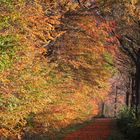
100,129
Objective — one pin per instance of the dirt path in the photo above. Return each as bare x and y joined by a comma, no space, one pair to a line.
101,129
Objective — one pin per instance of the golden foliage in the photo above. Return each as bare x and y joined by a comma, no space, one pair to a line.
37,96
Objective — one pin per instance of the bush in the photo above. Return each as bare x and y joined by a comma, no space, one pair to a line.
128,124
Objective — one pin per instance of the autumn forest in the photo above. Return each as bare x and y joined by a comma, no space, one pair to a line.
66,63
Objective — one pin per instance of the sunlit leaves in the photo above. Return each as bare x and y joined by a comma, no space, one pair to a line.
41,95
7,47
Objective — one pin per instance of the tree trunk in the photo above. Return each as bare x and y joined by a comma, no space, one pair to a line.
115,103
138,84
102,109
137,90
133,100
127,98
129,93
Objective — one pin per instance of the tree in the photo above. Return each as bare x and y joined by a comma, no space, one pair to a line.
126,13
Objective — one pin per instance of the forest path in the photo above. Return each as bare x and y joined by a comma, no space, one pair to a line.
101,129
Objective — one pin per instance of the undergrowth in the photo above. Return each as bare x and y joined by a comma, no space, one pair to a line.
129,124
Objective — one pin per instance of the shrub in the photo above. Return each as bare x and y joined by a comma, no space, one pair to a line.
128,124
